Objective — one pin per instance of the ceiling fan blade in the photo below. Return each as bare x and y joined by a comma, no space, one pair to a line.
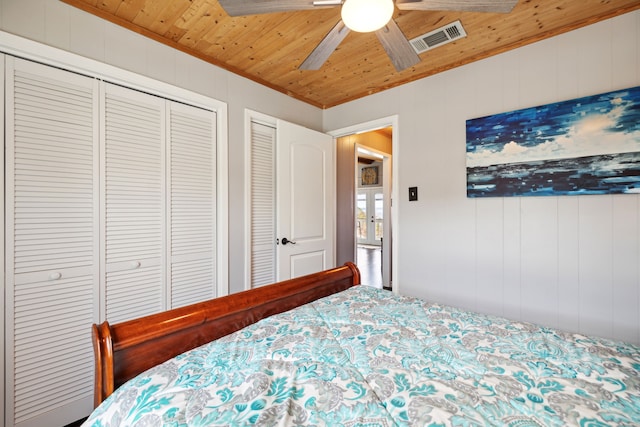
255,7
326,47
397,46
496,6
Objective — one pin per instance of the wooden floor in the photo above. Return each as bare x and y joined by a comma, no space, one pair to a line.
369,260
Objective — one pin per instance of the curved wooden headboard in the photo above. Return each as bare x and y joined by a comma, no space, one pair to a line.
126,349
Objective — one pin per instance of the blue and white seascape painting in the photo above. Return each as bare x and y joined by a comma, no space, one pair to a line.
588,145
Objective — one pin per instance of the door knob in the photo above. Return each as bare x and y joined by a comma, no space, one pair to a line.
285,241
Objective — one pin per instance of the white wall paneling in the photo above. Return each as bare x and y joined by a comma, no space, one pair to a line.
568,263
626,294
539,262
489,244
512,261
596,264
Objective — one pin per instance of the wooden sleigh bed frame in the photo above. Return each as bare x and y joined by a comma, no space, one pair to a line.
126,349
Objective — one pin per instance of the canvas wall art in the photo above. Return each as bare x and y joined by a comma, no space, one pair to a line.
370,175
588,145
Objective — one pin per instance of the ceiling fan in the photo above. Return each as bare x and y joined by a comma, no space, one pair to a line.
365,16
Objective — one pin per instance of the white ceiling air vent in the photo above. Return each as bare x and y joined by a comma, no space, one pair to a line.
438,37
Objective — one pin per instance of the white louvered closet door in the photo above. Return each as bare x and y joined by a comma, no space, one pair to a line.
52,228
133,203
263,205
192,208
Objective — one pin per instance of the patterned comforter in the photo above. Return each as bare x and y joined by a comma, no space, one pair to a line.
367,357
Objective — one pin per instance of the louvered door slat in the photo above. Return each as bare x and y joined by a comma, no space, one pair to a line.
192,195
42,138
134,203
52,219
134,292
263,237
192,280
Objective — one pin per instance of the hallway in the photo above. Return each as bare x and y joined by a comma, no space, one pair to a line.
369,259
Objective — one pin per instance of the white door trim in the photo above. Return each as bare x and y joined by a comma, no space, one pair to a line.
2,250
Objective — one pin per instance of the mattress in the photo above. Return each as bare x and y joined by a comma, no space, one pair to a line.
368,357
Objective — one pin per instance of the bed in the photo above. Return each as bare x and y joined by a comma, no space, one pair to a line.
320,350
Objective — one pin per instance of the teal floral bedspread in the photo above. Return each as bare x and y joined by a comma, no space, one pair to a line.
366,358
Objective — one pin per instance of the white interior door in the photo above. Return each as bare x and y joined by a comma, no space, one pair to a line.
191,204
133,146
305,200
51,229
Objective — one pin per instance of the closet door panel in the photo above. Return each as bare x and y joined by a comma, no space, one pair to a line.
52,228
192,196
133,180
263,205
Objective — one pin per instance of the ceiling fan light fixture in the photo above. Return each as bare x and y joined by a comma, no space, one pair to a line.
365,16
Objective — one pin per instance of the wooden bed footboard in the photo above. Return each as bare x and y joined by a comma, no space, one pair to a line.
126,349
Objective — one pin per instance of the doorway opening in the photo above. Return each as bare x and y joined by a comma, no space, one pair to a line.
369,216
365,215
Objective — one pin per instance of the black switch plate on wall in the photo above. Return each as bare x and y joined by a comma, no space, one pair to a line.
413,194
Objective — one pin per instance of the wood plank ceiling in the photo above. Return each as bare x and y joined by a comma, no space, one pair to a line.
268,48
